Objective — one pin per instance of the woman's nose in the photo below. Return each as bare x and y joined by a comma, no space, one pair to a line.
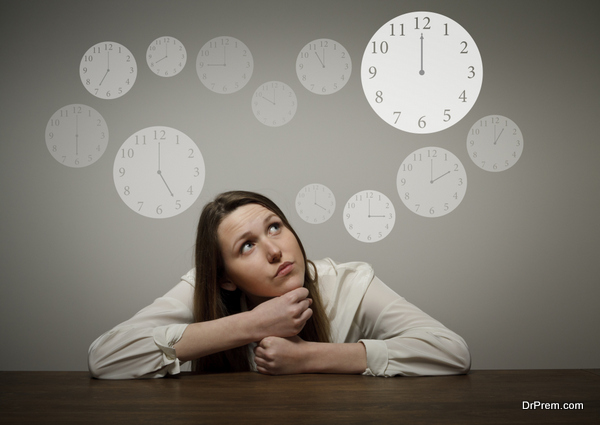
273,252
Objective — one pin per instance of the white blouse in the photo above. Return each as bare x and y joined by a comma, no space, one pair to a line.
399,338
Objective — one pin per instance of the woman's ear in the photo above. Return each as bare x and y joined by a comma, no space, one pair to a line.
228,285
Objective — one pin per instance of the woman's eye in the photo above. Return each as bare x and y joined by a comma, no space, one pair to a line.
274,228
247,246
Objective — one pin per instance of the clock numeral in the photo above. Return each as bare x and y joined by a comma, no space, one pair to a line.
392,30
426,26
383,47
463,96
464,51
379,96
127,154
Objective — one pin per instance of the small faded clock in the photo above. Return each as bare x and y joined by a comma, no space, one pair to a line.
323,66
315,203
159,172
76,135
369,216
166,56
274,103
224,65
421,72
108,70
495,143
431,182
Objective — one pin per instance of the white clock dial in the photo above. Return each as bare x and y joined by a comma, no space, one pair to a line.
431,182
76,135
495,143
323,66
421,72
274,103
166,56
369,216
108,70
224,65
159,172
315,203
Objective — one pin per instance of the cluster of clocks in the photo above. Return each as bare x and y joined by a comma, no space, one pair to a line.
421,73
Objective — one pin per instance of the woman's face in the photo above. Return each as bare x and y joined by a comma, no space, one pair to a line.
262,257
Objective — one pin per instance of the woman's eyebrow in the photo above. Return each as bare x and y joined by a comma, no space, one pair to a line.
247,234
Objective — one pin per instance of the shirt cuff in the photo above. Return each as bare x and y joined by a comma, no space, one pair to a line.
165,337
377,357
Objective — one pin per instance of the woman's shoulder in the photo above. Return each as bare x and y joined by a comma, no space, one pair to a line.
344,271
328,267
190,277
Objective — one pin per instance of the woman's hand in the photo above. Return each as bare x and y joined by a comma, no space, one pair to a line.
283,316
281,356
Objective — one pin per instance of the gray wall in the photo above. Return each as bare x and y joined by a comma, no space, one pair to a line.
514,269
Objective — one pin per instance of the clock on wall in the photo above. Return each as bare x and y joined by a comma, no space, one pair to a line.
369,216
495,143
431,182
224,65
315,203
108,70
274,103
159,172
166,56
323,66
421,72
76,135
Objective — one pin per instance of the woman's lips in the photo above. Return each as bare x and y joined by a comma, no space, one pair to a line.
284,269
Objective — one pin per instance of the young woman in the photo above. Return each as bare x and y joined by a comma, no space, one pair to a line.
254,302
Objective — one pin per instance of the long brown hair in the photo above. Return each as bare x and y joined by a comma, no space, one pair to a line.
212,302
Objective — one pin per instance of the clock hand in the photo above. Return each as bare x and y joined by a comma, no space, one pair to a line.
159,172
76,134
447,172
496,138
107,67
422,71
320,58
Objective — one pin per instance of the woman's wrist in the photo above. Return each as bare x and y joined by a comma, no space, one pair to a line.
348,358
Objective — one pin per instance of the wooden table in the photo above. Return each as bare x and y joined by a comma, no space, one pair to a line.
482,397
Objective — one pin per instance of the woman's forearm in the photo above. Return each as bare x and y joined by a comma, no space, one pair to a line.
204,338
349,358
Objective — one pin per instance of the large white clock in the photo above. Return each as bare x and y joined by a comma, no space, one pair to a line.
495,143
369,216
224,65
431,182
108,70
315,203
166,56
274,103
76,135
421,72
159,172
323,66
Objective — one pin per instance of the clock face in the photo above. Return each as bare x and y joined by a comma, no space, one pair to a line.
431,182
159,172
274,103
315,203
421,72
76,135
166,56
369,216
108,70
224,65
323,66
495,143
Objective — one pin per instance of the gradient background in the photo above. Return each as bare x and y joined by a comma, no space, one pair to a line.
514,269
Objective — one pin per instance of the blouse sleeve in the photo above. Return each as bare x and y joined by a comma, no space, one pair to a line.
142,347
400,339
